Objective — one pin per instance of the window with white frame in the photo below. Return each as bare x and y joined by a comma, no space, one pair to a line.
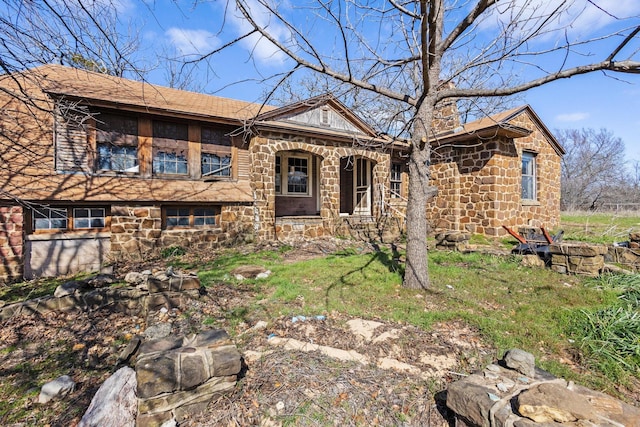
49,219
529,176
395,184
84,218
293,177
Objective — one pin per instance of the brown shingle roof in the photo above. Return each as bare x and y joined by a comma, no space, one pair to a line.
120,92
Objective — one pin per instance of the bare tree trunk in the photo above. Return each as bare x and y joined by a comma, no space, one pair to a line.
416,274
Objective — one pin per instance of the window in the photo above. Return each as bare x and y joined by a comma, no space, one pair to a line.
278,175
528,176
170,147
88,218
396,180
296,180
297,175
324,116
215,160
47,219
188,217
214,165
116,143
114,158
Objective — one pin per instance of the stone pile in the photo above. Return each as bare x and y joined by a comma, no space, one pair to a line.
178,377
453,241
577,258
627,254
514,393
147,292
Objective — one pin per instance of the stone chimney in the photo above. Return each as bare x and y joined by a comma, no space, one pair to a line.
446,117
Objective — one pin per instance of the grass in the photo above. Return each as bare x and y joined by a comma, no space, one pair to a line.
599,227
511,305
546,313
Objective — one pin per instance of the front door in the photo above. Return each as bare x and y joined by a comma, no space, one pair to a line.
362,189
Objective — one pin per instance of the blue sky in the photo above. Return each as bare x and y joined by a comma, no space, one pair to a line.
594,100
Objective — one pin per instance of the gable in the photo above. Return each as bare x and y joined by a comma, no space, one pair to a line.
526,114
323,117
323,113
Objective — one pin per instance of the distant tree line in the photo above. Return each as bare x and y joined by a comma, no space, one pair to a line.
595,172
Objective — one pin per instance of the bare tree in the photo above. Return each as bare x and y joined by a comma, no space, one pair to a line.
76,33
410,51
592,168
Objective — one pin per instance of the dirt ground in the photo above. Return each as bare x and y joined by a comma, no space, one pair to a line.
400,382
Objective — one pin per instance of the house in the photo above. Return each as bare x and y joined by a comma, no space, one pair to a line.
98,169
500,170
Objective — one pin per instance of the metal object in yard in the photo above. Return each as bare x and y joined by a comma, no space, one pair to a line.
533,242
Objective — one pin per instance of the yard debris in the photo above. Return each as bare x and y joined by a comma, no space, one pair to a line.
56,389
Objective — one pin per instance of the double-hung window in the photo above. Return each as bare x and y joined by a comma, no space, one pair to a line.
116,143
528,176
395,183
170,148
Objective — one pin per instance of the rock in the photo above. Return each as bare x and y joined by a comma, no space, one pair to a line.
264,275
69,288
521,361
248,271
178,377
101,280
550,402
470,401
532,261
159,330
173,283
129,350
135,278
115,403
57,388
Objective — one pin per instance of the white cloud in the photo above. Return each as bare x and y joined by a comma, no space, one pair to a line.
572,117
192,42
259,47
577,17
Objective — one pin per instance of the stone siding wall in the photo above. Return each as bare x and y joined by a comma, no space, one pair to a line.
136,231
263,153
480,186
11,243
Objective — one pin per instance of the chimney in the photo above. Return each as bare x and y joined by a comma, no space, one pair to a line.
446,117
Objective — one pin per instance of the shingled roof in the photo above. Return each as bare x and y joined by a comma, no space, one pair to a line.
499,124
117,92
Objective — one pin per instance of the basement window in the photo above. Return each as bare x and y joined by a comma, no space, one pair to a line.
47,219
190,216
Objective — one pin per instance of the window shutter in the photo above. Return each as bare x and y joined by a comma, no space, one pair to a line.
71,143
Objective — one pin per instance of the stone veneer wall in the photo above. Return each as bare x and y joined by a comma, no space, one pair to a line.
136,231
480,186
11,243
263,152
